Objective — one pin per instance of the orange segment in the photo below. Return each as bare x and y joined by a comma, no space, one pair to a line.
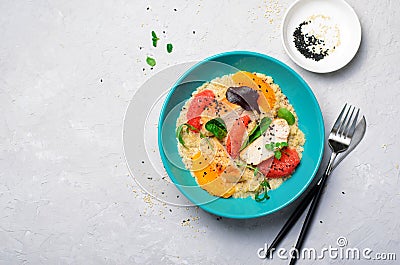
213,172
243,78
205,174
209,177
230,192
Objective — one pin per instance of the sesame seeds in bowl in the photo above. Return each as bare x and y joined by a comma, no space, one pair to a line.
321,35
317,37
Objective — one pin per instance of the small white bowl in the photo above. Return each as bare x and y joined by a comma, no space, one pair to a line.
340,13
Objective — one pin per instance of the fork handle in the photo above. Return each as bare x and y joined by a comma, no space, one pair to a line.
292,220
312,210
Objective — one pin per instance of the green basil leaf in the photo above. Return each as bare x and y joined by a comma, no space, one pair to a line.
260,129
264,183
180,130
278,154
262,188
264,124
267,184
257,198
270,146
256,171
217,127
179,134
281,145
257,131
284,113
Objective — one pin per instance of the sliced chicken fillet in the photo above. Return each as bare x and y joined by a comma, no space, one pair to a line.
255,153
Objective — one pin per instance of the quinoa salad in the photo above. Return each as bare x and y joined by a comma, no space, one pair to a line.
238,135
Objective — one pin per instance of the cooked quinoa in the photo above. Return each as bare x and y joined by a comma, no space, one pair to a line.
248,183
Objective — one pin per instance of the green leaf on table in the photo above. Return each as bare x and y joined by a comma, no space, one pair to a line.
154,38
169,47
150,61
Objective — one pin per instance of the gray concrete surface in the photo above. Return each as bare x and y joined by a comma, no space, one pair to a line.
68,70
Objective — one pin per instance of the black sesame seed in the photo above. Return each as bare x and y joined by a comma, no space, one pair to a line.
305,42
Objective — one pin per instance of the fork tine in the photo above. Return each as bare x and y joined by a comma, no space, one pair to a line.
353,126
343,123
345,130
336,126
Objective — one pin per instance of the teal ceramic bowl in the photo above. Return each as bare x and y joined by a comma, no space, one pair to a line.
299,95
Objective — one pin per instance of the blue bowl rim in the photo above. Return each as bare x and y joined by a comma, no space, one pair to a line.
162,116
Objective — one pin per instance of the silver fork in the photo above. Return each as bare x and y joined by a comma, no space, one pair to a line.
339,140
